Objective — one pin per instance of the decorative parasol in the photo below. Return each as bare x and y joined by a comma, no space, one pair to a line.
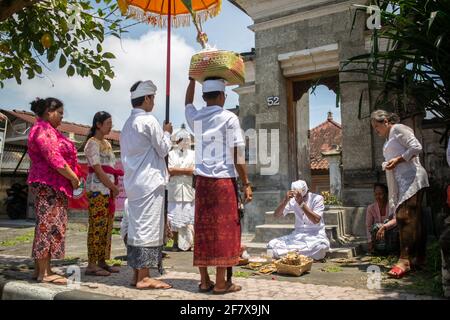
179,13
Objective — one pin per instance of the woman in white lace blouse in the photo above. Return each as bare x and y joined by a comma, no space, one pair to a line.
406,182
102,189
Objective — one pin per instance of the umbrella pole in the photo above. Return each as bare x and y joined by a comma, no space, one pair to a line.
169,30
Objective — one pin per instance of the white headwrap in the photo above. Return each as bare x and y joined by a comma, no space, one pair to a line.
145,88
213,85
300,185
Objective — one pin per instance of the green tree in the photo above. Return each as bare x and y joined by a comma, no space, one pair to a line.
69,33
407,68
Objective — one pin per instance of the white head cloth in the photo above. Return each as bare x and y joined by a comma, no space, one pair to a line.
300,185
213,85
145,88
182,134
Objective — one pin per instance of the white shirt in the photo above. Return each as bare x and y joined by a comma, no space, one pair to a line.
409,175
180,187
448,153
302,222
217,132
143,147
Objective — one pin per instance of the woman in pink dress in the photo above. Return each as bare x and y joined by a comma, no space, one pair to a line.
52,177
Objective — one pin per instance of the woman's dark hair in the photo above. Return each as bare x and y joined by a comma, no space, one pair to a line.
99,117
40,106
136,102
382,186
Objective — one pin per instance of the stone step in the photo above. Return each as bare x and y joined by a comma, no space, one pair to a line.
267,232
259,248
330,217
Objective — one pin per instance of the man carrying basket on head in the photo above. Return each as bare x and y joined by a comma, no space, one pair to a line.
219,153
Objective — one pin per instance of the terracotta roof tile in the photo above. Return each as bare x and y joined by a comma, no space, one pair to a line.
326,136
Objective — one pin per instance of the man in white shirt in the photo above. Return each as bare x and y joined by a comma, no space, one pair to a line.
143,146
219,153
180,193
309,237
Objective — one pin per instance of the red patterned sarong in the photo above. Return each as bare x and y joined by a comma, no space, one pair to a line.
217,239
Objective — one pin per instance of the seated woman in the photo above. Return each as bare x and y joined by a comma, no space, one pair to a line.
381,228
309,237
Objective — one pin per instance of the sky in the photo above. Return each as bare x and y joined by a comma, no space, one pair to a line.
141,55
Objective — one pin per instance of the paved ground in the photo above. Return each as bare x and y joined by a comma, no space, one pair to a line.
335,279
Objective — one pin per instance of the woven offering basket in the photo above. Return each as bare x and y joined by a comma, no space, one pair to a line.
222,64
293,270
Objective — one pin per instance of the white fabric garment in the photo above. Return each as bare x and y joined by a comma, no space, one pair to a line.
180,187
300,185
181,219
392,189
146,220
145,88
308,238
409,175
448,153
124,222
143,146
186,237
217,132
180,214
213,85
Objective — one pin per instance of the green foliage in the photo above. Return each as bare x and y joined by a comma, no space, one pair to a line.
407,67
331,268
114,262
115,231
69,32
330,199
241,274
24,238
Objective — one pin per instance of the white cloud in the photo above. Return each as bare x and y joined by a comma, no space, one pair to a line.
136,59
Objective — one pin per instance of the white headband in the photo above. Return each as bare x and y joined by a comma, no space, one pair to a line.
145,88
300,185
213,85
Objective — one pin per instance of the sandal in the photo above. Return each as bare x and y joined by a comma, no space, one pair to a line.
229,289
397,272
97,273
210,287
54,279
110,269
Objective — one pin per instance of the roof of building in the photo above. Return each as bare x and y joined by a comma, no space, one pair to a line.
325,137
67,127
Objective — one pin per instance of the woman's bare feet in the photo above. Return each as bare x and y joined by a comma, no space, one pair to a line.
53,279
148,283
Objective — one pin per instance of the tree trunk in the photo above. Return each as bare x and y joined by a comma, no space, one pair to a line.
9,7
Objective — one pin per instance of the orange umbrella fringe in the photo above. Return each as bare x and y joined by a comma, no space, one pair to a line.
179,20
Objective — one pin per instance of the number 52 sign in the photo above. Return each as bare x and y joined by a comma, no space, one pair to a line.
273,101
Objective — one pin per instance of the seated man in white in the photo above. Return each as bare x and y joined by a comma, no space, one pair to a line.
309,237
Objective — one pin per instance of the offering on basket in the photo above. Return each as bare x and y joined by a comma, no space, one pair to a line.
293,264
222,64
260,259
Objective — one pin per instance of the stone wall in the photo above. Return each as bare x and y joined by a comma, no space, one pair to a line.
358,145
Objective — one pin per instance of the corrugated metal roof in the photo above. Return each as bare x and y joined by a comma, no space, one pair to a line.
67,127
